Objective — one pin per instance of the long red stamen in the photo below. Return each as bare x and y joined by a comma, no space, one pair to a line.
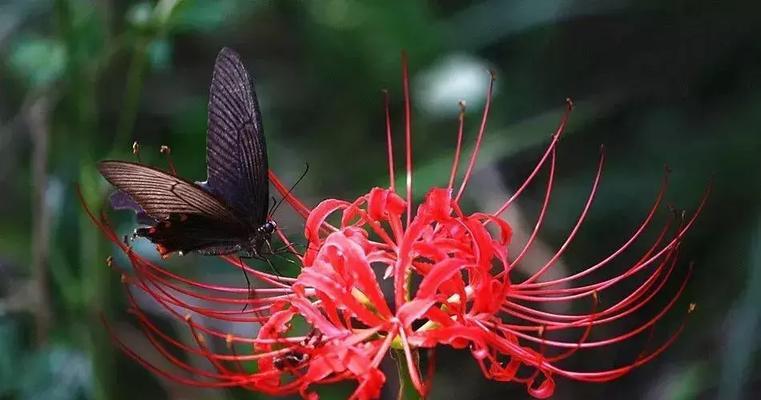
557,321
568,353
407,133
540,218
581,289
624,336
555,137
389,143
657,255
576,227
638,232
161,372
458,148
603,376
479,138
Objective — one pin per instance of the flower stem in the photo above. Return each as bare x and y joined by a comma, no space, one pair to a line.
406,388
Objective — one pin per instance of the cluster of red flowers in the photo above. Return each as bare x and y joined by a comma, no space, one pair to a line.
453,284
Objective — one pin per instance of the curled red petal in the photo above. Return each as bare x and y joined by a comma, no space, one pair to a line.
438,203
545,390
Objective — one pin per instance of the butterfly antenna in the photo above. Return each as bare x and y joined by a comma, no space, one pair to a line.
288,193
272,207
167,151
136,150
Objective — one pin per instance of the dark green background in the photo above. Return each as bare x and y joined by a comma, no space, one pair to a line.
657,82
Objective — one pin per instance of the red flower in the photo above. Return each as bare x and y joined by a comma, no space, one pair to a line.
452,283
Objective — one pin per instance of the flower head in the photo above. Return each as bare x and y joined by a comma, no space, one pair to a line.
380,274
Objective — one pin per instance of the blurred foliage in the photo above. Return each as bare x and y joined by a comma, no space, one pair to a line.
658,82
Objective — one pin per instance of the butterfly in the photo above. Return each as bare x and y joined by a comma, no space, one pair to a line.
227,213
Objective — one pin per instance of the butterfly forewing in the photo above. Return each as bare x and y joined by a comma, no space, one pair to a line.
161,194
236,153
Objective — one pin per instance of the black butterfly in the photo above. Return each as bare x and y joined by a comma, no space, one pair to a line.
227,213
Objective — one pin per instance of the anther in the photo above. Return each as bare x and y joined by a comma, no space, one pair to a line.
165,150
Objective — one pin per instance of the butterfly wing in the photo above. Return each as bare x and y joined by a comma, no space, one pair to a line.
236,154
189,217
122,201
161,194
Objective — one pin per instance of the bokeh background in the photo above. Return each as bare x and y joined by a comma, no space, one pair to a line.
658,82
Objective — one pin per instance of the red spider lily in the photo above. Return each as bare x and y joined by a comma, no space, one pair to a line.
453,284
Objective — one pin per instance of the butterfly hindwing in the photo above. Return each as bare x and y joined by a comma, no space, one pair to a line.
236,153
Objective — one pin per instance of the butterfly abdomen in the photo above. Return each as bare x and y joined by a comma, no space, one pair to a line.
192,232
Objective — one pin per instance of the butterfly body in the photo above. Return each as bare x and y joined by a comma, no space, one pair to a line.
243,242
227,213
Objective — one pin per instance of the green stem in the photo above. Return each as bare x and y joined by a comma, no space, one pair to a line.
407,389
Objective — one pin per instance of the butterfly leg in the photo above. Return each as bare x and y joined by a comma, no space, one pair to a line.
248,285
258,256
289,247
271,265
